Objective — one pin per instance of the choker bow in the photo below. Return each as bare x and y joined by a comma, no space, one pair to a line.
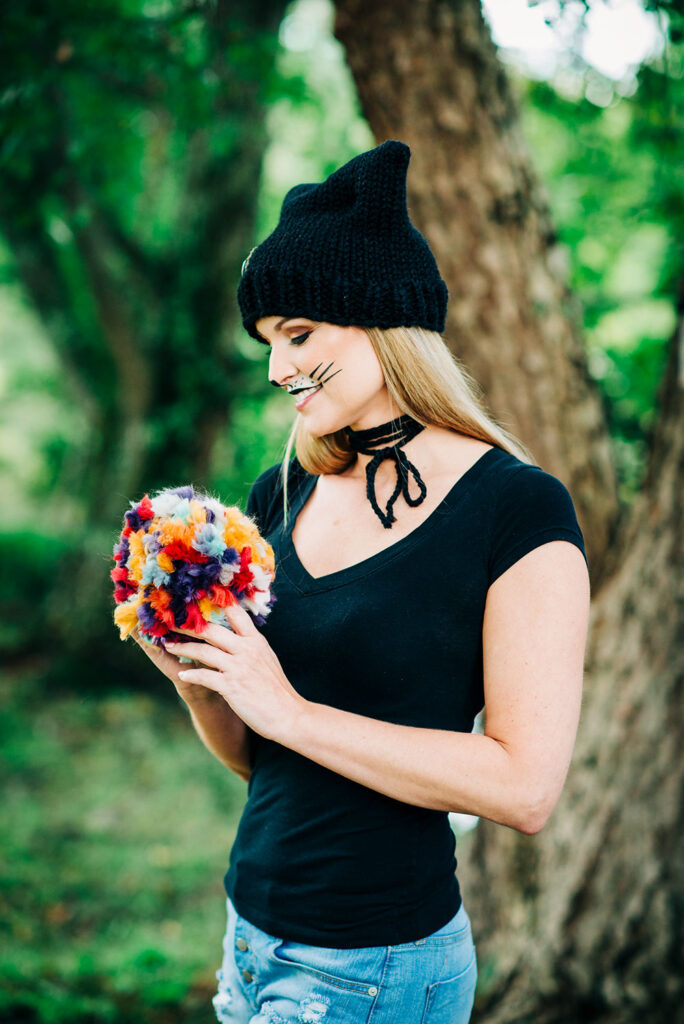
398,432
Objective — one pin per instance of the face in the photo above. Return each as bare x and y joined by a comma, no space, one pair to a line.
332,372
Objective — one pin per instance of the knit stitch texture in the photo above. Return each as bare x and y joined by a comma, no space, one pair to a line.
345,252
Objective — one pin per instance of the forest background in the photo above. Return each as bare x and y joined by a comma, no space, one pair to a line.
145,147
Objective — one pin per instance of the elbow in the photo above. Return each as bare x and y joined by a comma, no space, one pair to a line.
533,814
529,826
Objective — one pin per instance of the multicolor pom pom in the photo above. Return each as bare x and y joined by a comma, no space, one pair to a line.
181,559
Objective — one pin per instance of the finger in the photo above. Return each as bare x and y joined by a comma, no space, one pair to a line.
220,636
147,647
239,619
206,654
203,677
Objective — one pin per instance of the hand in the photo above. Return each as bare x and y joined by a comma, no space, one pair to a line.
242,667
170,666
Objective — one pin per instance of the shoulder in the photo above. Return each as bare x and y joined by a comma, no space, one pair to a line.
530,507
267,480
271,479
267,490
515,481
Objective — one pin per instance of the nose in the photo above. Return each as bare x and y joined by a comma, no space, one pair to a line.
281,369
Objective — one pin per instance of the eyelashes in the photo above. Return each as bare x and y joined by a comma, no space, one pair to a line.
299,340
324,376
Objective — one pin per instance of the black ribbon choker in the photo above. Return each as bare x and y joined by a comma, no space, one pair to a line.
397,431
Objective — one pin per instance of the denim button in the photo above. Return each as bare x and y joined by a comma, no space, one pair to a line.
242,945
247,975
372,991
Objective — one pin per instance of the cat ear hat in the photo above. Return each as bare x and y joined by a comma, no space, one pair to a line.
345,252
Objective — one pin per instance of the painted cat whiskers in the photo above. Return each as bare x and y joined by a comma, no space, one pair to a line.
294,387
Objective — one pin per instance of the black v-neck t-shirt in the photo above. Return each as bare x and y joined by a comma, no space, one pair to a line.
319,858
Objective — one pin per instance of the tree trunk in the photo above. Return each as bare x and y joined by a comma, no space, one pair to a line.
587,915
583,920
427,73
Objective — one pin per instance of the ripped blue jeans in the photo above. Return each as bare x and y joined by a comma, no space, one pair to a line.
266,980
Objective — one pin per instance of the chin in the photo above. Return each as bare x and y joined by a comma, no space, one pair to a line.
320,432
321,428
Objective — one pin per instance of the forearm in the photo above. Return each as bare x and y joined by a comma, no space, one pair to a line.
221,731
450,771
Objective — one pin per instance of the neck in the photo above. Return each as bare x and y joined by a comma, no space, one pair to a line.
367,441
386,442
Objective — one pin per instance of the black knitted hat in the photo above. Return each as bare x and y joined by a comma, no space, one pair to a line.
346,252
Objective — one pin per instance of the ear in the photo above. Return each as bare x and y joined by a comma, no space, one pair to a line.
383,172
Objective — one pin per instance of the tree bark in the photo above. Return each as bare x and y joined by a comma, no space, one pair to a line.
427,73
583,920
586,917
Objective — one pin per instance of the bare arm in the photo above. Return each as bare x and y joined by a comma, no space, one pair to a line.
221,731
534,636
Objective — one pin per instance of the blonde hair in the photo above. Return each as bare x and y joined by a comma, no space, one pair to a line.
424,379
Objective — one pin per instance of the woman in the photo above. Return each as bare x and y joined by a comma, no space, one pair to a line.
351,710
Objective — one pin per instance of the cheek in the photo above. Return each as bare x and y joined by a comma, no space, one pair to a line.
361,373
368,373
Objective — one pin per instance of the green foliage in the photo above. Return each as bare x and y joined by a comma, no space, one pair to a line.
41,427
120,828
314,124
133,134
132,137
130,145
614,181
314,120
27,558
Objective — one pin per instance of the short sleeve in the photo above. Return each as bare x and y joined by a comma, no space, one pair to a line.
252,507
265,499
260,497
532,507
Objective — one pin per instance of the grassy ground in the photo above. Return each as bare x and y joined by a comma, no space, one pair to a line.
117,829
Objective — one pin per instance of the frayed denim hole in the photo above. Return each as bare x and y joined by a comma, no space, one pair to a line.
222,1000
272,1015
313,1008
